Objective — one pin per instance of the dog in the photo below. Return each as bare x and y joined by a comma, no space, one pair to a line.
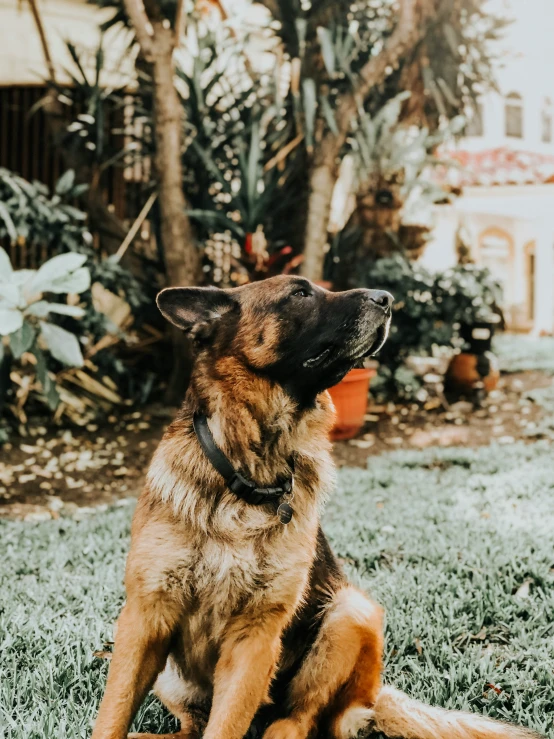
236,607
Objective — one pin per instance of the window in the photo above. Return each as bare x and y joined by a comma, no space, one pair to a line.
514,115
546,122
475,123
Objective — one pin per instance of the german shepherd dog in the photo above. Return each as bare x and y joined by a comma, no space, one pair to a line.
232,613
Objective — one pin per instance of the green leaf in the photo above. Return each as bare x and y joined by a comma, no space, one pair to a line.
215,219
327,50
329,114
76,282
22,276
66,310
9,293
22,340
66,182
6,217
310,108
72,212
452,39
254,156
42,308
79,190
52,275
301,28
63,345
6,270
75,56
48,386
10,320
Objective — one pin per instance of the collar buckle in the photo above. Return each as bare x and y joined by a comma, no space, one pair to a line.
240,486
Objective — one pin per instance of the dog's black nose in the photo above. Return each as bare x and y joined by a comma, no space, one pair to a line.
381,298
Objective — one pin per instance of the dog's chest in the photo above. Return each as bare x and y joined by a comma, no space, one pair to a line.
226,584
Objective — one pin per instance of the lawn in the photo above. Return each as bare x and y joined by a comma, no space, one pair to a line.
521,353
458,544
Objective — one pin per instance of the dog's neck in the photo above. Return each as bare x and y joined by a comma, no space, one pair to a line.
255,421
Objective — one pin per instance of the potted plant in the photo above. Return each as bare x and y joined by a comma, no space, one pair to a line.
477,296
476,367
350,398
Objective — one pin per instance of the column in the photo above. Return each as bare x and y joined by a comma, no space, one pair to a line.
544,277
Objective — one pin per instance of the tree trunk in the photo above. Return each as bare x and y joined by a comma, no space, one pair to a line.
412,16
180,254
182,263
322,181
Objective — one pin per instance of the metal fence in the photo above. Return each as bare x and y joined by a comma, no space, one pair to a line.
27,148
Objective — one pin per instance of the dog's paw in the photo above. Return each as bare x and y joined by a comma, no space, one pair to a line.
286,728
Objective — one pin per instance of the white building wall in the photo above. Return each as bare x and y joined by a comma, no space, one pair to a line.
524,213
524,65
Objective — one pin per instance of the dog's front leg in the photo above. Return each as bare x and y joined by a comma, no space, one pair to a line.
140,652
243,673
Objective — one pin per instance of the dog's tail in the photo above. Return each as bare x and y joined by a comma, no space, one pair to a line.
400,717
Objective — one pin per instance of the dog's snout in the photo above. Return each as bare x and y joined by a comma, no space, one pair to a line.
381,298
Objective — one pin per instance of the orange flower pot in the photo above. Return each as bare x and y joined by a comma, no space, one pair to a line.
350,398
463,373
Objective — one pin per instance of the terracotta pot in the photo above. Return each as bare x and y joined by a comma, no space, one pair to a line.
350,398
464,372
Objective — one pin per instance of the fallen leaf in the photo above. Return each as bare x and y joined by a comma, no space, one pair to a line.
523,591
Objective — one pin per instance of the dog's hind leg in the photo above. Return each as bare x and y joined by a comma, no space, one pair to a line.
342,670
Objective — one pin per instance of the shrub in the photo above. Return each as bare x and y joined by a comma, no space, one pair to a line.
44,332
24,313
428,313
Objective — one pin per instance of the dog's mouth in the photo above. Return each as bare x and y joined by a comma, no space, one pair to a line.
378,338
319,359
381,335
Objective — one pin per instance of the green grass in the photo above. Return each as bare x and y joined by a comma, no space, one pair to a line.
518,353
443,539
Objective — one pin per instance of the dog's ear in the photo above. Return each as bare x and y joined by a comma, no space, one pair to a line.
195,310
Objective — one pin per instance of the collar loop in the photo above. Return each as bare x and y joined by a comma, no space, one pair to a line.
236,482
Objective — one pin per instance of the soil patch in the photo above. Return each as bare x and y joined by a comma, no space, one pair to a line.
51,471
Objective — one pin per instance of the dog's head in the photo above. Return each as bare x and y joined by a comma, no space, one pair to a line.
286,328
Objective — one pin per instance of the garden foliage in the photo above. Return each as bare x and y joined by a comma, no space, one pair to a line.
24,313
428,313
48,318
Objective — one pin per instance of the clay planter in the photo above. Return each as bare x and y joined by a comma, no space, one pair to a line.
465,372
350,398
477,367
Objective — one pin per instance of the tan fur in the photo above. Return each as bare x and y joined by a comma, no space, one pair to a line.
350,633
215,586
397,715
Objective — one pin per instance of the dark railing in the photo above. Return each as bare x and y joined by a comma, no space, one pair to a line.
27,148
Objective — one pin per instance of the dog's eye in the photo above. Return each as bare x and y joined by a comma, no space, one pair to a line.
301,293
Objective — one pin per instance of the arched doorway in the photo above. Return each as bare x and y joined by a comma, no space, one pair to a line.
496,251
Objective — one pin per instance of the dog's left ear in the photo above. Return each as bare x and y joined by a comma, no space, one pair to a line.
195,310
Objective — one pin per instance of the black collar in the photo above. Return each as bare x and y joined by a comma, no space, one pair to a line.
245,489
